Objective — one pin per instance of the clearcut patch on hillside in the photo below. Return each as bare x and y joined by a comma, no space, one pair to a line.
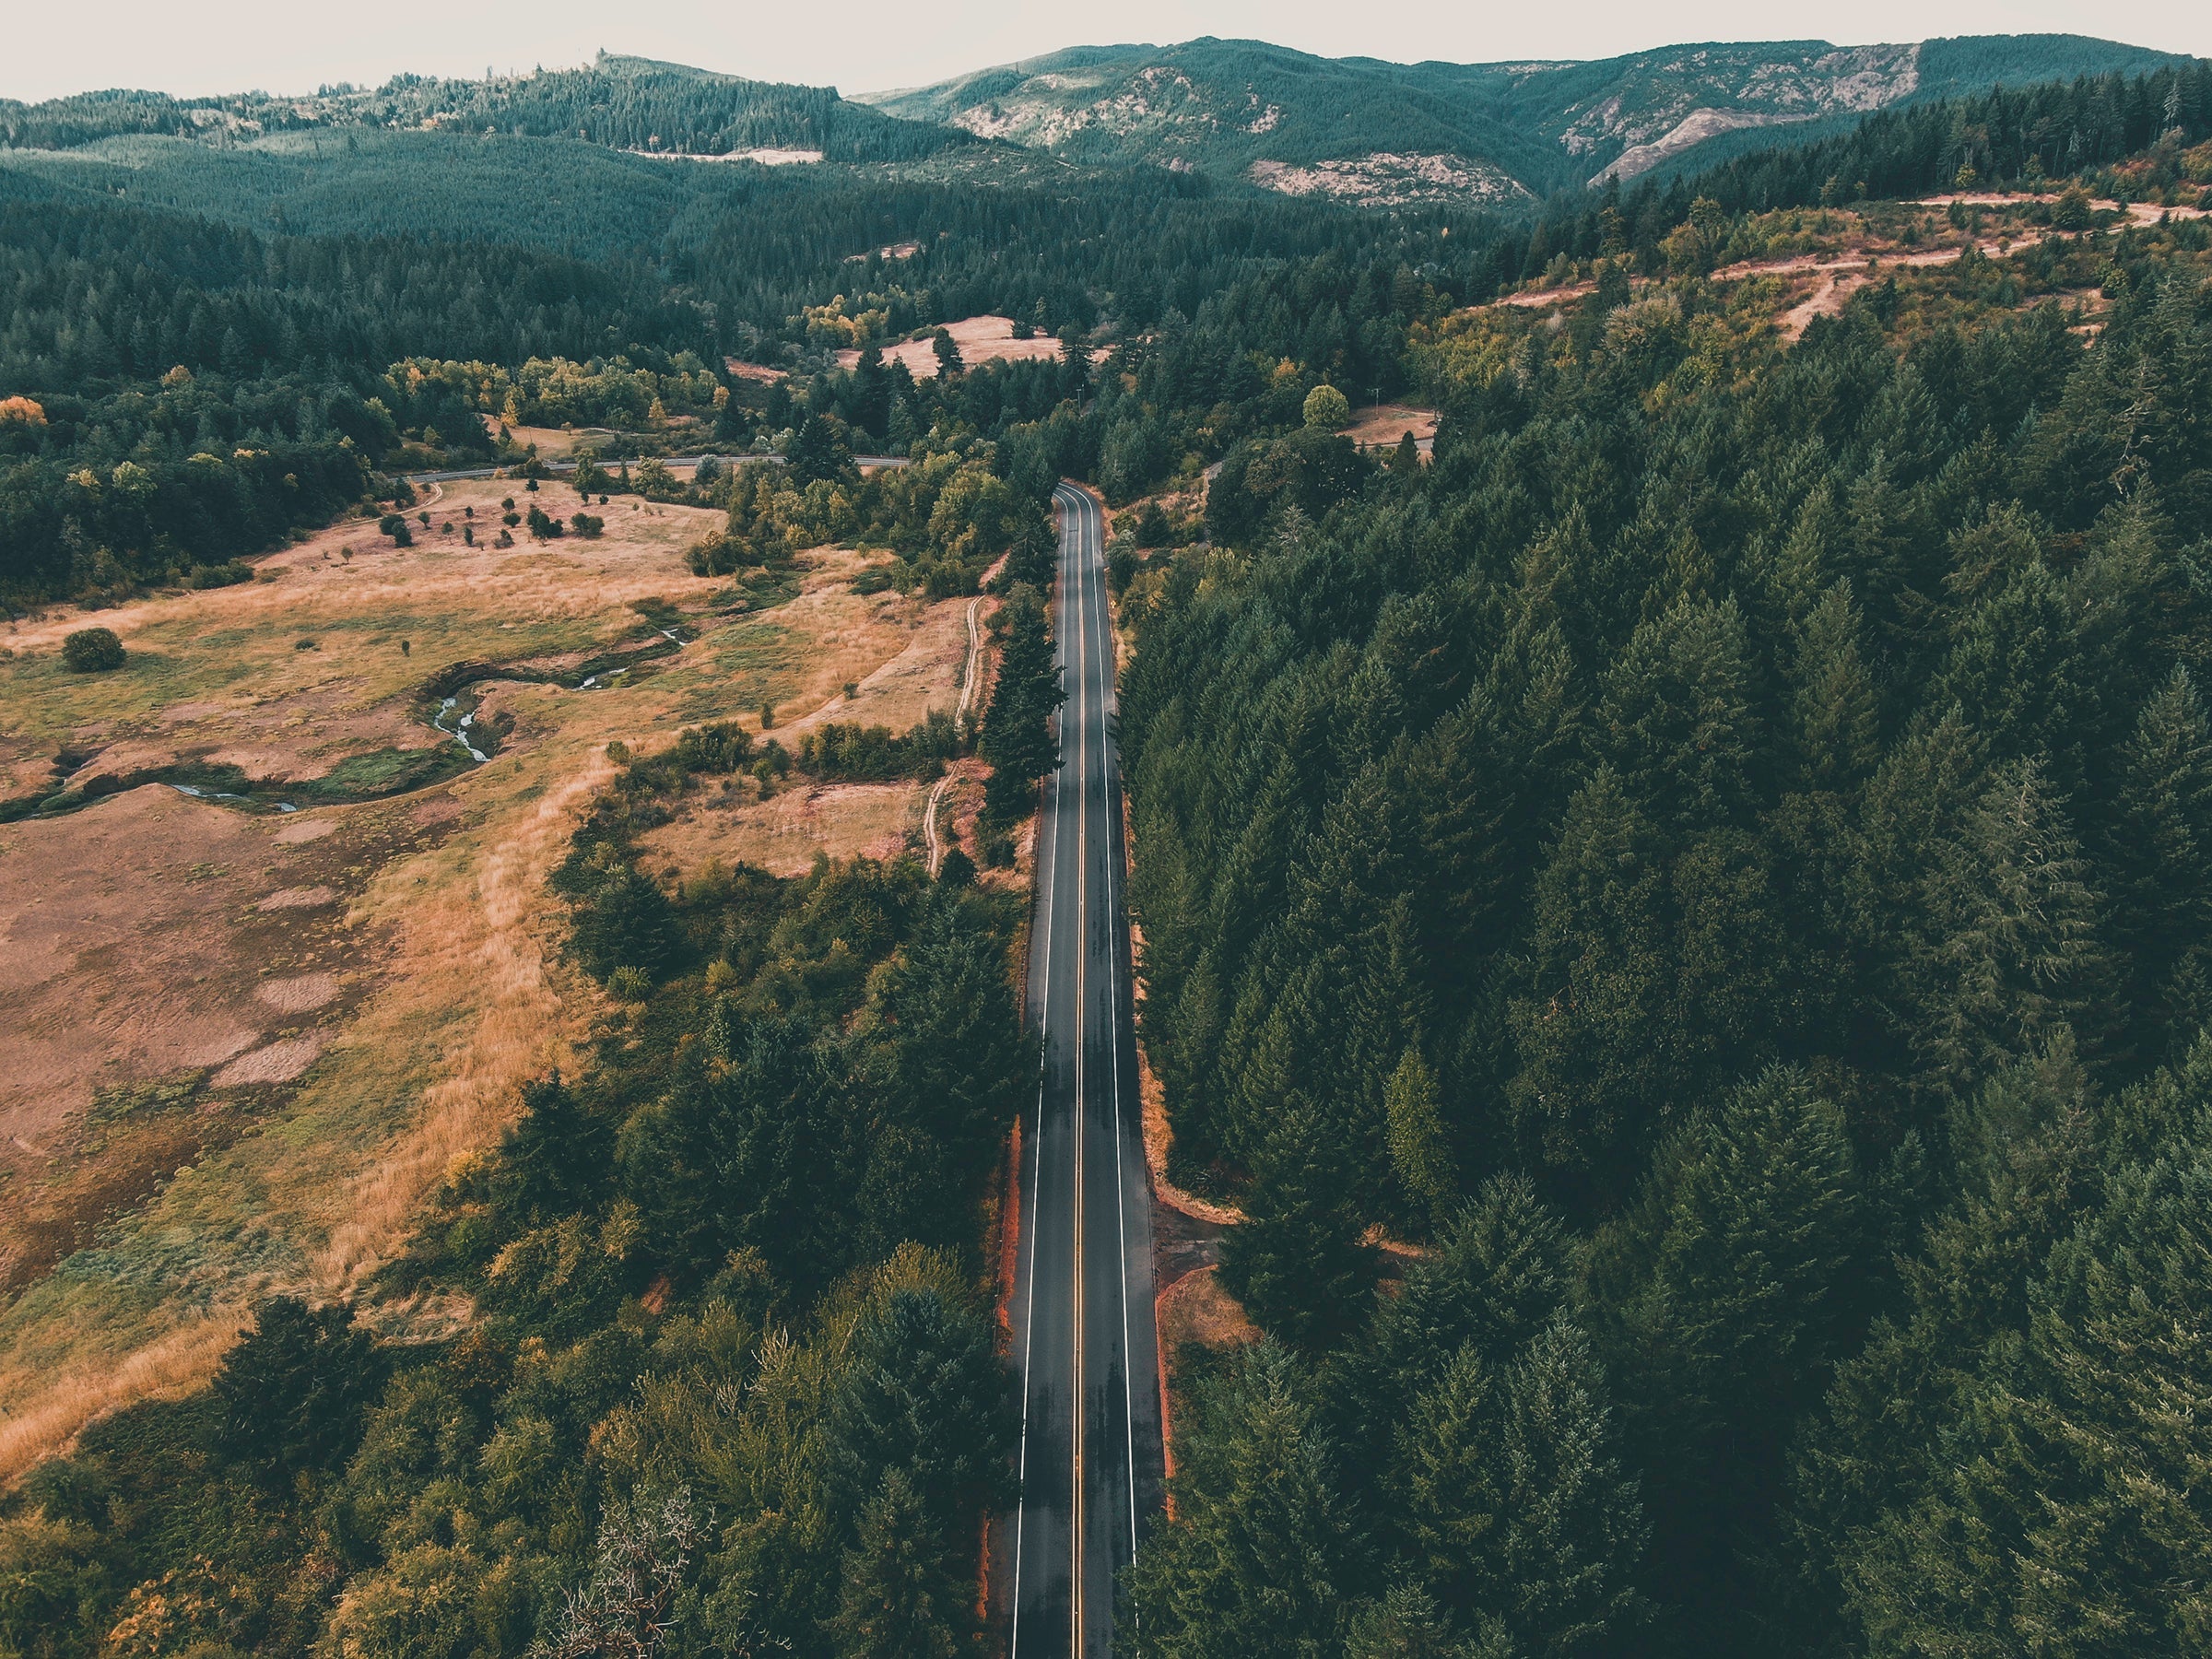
1381,179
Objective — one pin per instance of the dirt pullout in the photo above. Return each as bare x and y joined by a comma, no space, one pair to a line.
981,340
1383,426
1826,299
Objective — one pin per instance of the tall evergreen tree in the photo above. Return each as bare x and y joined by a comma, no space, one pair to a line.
1259,1556
1296,1260
1017,739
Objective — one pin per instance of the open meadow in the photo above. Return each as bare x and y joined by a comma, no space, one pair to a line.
251,1035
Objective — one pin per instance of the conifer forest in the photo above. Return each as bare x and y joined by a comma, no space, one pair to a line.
1672,920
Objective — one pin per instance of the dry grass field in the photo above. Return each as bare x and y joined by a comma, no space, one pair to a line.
241,1045
981,340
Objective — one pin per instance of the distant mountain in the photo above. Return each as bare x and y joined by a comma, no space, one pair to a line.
1377,131
621,103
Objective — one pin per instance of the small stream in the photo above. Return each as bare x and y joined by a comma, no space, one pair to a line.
458,731
197,793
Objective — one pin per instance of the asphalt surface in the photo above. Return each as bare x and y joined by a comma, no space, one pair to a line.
563,466
1082,1310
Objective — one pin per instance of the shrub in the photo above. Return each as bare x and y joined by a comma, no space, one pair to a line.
92,651
587,525
295,1390
1327,408
220,575
724,746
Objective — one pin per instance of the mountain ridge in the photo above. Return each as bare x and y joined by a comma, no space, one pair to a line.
1278,118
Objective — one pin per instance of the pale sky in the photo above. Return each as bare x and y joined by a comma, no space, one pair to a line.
864,45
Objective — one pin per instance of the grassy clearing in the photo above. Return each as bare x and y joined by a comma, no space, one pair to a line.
433,957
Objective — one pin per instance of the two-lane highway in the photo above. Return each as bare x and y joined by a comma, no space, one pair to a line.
1082,1310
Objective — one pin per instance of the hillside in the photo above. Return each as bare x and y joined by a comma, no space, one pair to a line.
1375,131
621,103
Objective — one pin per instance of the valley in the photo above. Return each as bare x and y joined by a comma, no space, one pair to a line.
1185,849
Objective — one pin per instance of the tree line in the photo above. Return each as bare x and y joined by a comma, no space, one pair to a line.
731,1382
1744,822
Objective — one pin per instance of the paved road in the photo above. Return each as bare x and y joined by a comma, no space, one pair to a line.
1082,1313
562,466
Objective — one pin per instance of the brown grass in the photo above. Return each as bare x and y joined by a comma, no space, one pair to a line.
1383,425
411,969
786,832
981,340
1197,1309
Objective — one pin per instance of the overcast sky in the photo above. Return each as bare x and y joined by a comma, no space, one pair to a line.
863,45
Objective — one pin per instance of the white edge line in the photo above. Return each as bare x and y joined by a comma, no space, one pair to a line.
1114,1016
1029,1318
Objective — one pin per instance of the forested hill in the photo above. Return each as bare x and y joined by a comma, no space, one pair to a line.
1486,131
622,103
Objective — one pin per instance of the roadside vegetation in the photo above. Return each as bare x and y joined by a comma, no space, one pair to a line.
1677,921
1714,859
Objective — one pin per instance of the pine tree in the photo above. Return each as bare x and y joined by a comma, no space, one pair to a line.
1405,1623
1590,1024
1296,1260
1418,1152
1678,717
924,1395
1496,1275
1834,708
295,1389
2159,848
2012,951
554,1158
950,1015
2062,1506
899,1601
1258,1558
1511,1501
1017,740
1731,1288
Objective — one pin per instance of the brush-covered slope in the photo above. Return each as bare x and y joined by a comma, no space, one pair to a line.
621,103
1374,131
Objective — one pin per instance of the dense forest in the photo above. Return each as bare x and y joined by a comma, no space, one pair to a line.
1720,858
1714,867
732,1374
622,103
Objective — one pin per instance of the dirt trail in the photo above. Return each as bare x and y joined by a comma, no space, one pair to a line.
967,679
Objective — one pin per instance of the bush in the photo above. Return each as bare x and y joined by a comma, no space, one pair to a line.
220,575
92,651
294,1392
1327,408
394,526
587,525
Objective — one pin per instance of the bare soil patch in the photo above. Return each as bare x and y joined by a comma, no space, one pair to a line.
302,995
1197,1309
279,1063
1383,426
